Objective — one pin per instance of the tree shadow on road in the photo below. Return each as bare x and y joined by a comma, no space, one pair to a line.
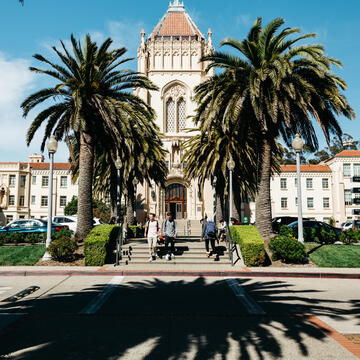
167,319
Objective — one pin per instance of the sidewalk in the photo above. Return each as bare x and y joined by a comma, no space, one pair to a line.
182,270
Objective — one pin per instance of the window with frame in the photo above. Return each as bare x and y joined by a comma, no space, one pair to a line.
63,181
283,184
347,170
12,180
22,180
44,201
284,203
33,180
325,183
296,201
181,112
310,202
295,181
348,197
349,218
11,200
45,181
9,218
170,116
356,169
309,183
33,199
326,202
62,201
21,200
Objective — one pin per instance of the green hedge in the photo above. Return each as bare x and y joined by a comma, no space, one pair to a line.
251,244
99,244
134,231
287,249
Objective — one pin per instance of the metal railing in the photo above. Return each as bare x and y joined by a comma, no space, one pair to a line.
230,245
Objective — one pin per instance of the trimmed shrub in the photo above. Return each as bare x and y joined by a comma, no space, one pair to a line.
349,237
99,244
33,238
63,249
286,231
134,231
251,244
61,233
287,249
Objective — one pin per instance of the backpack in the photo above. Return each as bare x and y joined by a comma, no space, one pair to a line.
210,229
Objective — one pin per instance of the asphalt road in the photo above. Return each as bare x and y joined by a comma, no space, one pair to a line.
101,317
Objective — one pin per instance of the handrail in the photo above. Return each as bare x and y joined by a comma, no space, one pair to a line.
119,244
230,245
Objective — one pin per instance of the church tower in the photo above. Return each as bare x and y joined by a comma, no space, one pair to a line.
170,57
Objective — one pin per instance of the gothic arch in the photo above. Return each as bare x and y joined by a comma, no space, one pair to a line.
173,83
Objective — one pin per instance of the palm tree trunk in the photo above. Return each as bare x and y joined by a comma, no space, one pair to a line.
263,198
113,193
131,219
219,207
86,159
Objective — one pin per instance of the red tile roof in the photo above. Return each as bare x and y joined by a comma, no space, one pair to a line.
305,168
176,23
45,166
348,153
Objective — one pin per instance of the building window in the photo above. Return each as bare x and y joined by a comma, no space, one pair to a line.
310,203
325,183
32,199
356,169
12,180
21,200
62,200
347,170
170,116
11,200
63,181
348,197
167,164
45,181
283,184
309,183
295,181
326,202
33,181
181,110
349,218
296,201
284,203
22,180
9,218
22,217
44,201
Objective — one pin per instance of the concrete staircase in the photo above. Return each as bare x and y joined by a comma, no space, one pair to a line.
189,250
188,227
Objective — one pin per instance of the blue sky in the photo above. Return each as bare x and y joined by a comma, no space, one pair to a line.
35,27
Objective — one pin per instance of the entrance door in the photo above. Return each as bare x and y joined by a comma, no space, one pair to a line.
176,199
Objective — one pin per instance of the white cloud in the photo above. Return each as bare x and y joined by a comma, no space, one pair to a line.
244,20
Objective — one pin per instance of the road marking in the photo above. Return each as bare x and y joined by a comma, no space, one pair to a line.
250,304
4,289
95,304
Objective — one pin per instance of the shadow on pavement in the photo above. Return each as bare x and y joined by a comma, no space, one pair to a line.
164,319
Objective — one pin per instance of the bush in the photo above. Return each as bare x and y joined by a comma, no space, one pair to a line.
286,231
134,231
33,238
61,233
251,244
63,249
287,249
349,237
99,243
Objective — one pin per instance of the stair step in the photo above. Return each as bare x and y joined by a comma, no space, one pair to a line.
176,261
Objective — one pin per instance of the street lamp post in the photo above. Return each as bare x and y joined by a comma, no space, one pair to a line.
231,166
52,146
118,208
297,145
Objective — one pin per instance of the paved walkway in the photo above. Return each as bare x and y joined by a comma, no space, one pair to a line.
117,317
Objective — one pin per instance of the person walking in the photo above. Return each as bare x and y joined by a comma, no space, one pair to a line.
151,232
209,235
169,231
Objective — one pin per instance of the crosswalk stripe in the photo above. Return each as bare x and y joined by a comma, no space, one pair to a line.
250,304
96,303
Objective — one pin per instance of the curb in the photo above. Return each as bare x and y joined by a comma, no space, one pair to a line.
244,274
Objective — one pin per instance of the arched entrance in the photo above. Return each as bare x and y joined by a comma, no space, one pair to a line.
175,201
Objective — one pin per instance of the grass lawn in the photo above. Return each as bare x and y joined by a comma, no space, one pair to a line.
21,255
334,255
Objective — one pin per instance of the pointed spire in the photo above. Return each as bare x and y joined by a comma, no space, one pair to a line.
142,44
210,44
176,5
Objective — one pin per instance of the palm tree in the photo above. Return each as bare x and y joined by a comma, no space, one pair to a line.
91,98
276,88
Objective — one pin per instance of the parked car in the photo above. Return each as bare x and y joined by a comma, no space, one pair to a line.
318,225
346,226
71,221
279,221
355,225
36,226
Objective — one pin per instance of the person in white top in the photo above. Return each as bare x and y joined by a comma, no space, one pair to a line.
152,229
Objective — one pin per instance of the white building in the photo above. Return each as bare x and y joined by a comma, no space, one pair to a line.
330,189
170,57
24,189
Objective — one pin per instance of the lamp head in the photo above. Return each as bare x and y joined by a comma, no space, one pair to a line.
231,164
118,163
52,145
297,143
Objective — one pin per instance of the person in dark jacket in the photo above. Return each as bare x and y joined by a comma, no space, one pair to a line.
209,235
